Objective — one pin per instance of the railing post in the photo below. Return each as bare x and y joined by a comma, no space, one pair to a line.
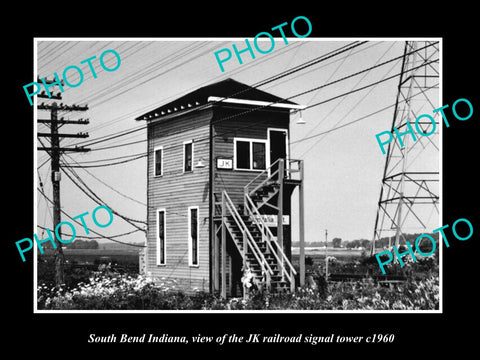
301,225
216,260
224,249
281,171
292,282
269,283
245,248
245,192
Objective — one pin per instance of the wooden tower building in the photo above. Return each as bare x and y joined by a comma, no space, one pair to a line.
220,181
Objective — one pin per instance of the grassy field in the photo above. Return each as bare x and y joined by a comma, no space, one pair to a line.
81,263
342,256
96,256
330,251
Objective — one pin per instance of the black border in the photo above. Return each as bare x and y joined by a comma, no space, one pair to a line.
422,333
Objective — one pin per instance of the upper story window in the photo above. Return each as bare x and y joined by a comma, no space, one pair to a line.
250,154
158,161
187,156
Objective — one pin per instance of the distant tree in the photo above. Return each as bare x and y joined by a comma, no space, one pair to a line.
336,242
83,244
365,243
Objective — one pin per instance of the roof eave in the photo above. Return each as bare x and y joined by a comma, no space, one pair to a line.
217,99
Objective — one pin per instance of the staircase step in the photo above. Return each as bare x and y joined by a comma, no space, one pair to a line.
269,257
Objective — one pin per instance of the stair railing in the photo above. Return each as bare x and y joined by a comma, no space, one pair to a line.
247,238
268,237
289,169
246,188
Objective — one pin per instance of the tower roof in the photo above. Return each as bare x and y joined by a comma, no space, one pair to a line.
233,90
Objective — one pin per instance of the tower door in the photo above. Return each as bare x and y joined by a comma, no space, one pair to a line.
278,146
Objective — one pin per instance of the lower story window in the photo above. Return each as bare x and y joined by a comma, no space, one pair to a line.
193,231
161,248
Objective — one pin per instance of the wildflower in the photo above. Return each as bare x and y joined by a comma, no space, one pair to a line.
247,278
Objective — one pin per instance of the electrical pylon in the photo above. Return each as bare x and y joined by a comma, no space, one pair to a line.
409,195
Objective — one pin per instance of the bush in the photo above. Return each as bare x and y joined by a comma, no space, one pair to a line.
128,293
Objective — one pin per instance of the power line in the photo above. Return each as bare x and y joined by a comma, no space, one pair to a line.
369,85
110,159
110,187
263,82
240,70
254,86
127,82
99,201
354,106
264,106
93,231
103,165
244,68
356,120
94,237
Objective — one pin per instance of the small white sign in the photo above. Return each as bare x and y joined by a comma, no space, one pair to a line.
272,220
224,164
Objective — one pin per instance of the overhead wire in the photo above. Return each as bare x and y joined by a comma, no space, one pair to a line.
94,237
129,80
289,72
110,187
356,120
175,95
91,230
256,85
343,98
273,78
243,69
288,98
92,195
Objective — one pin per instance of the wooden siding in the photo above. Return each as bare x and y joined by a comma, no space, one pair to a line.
175,191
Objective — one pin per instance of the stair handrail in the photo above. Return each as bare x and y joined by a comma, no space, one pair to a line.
246,187
243,227
257,219
287,169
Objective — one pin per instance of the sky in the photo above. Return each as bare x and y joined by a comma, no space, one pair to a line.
343,168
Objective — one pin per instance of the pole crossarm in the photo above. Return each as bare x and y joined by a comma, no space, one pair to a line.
74,107
61,121
77,135
76,149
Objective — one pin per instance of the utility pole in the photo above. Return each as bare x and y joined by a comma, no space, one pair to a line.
55,152
326,254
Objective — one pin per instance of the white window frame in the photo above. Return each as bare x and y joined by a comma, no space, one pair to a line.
183,160
250,141
155,149
158,211
190,248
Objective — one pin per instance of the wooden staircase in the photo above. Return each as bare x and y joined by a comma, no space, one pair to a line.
262,252
259,256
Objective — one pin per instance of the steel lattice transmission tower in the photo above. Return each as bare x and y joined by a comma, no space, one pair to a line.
409,195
